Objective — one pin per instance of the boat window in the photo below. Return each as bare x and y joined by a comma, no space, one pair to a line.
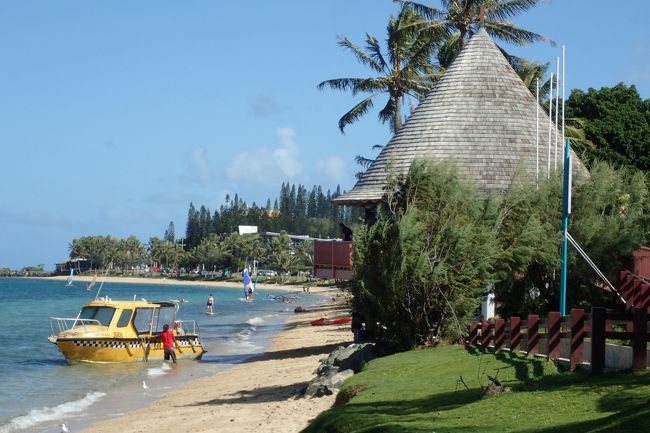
142,320
103,315
125,317
164,316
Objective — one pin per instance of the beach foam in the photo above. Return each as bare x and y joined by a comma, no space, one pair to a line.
158,371
47,414
255,321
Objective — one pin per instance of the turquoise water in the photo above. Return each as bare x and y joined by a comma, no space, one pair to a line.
40,390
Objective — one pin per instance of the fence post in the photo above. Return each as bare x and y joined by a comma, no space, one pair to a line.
554,328
577,336
643,296
533,334
598,320
499,337
485,334
515,333
640,339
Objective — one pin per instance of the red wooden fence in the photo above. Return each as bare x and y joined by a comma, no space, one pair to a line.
599,325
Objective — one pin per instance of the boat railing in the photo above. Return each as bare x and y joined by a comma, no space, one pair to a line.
62,324
186,327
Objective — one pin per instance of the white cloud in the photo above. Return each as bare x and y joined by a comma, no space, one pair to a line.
335,169
263,165
286,156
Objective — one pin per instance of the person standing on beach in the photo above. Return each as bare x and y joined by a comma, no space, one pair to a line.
209,304
169,342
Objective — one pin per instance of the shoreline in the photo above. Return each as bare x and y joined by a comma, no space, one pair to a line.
258,394
198,283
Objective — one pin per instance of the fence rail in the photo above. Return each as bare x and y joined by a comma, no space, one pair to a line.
555,336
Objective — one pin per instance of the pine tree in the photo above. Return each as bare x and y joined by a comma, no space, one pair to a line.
312,204
192,230
292,201
170,232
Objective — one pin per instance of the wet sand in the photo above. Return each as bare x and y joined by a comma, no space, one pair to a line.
260,395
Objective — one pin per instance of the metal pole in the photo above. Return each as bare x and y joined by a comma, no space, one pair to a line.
537,136
563,88
566,210
557,109
550,124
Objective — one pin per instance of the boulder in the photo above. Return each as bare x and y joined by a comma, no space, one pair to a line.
337,380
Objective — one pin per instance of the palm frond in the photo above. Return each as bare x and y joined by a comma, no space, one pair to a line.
355,85
427,12
363,161
375,51
360,54
507,31
386,114
355,113
504,9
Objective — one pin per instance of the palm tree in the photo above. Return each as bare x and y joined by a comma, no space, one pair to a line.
463,17
404,69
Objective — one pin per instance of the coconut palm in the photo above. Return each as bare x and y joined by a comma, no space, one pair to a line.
464,17
404,69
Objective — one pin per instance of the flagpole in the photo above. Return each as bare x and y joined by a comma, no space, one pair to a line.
557,95
566,210
537,136
550,124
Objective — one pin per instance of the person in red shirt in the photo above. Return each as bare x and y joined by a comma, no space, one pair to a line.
169,342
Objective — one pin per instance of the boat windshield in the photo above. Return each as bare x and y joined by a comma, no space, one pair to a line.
103,315
149,320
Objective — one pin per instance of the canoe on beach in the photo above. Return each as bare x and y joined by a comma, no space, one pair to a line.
323,321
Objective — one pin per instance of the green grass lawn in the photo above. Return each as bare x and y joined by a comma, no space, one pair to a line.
419,391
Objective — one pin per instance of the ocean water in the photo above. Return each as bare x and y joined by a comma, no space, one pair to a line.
39,391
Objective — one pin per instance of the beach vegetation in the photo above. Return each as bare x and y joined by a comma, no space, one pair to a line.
421,268
609,220
437,248
440,390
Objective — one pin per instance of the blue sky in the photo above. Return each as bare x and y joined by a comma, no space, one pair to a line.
114,116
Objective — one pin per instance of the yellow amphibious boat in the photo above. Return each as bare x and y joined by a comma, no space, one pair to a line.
123,331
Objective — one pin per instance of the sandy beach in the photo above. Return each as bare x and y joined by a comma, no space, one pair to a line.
261,394
197,283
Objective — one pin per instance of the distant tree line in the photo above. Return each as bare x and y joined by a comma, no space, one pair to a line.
214,253
212,241
297,211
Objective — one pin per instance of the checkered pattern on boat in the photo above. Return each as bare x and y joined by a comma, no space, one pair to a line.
107,343
131,344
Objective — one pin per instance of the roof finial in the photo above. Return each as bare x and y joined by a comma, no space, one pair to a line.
481,15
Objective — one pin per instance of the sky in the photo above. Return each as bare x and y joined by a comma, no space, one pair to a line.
115,115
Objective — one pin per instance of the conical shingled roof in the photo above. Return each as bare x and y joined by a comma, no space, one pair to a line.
482,116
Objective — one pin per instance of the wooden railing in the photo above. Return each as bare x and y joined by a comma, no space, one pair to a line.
543,336
634,289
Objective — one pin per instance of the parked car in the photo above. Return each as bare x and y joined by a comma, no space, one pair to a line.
267,273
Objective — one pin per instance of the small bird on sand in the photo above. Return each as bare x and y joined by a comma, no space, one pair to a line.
64,429
144,385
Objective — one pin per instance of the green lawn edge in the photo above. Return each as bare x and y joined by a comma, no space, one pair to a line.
420,391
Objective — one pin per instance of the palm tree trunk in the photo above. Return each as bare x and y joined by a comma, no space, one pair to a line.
397,117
